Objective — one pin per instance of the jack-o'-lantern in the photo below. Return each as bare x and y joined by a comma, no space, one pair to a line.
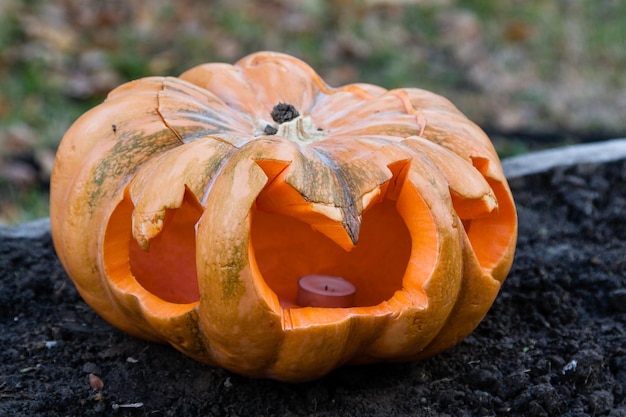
186,209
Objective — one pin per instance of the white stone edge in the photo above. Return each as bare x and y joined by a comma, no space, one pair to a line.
543,161
30,230
514,167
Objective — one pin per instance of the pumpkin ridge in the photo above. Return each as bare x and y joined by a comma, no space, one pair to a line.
390,113
217,173
284,59
325,105
420,119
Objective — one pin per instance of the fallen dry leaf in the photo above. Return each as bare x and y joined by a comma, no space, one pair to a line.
95,382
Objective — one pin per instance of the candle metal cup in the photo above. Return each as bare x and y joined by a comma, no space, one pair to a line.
325,291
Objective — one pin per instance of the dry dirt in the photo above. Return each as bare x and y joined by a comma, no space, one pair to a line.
553,343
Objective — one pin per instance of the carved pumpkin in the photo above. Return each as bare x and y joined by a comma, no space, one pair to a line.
186,209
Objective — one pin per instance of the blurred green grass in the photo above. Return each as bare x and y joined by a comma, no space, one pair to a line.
519,68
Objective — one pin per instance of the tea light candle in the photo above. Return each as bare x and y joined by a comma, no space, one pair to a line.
325,291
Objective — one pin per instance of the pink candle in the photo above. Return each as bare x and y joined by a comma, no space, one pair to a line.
325,291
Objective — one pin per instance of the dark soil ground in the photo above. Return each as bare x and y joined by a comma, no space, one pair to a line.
553,343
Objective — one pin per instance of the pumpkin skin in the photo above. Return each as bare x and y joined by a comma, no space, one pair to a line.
185,214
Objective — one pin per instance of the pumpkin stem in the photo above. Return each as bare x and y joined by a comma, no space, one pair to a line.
283,112
291,124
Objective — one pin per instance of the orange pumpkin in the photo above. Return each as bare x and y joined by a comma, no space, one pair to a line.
185,209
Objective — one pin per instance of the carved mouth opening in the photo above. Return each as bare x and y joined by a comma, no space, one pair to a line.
393,239
286,249
167,270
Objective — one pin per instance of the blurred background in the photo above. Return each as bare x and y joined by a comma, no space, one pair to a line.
534,74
